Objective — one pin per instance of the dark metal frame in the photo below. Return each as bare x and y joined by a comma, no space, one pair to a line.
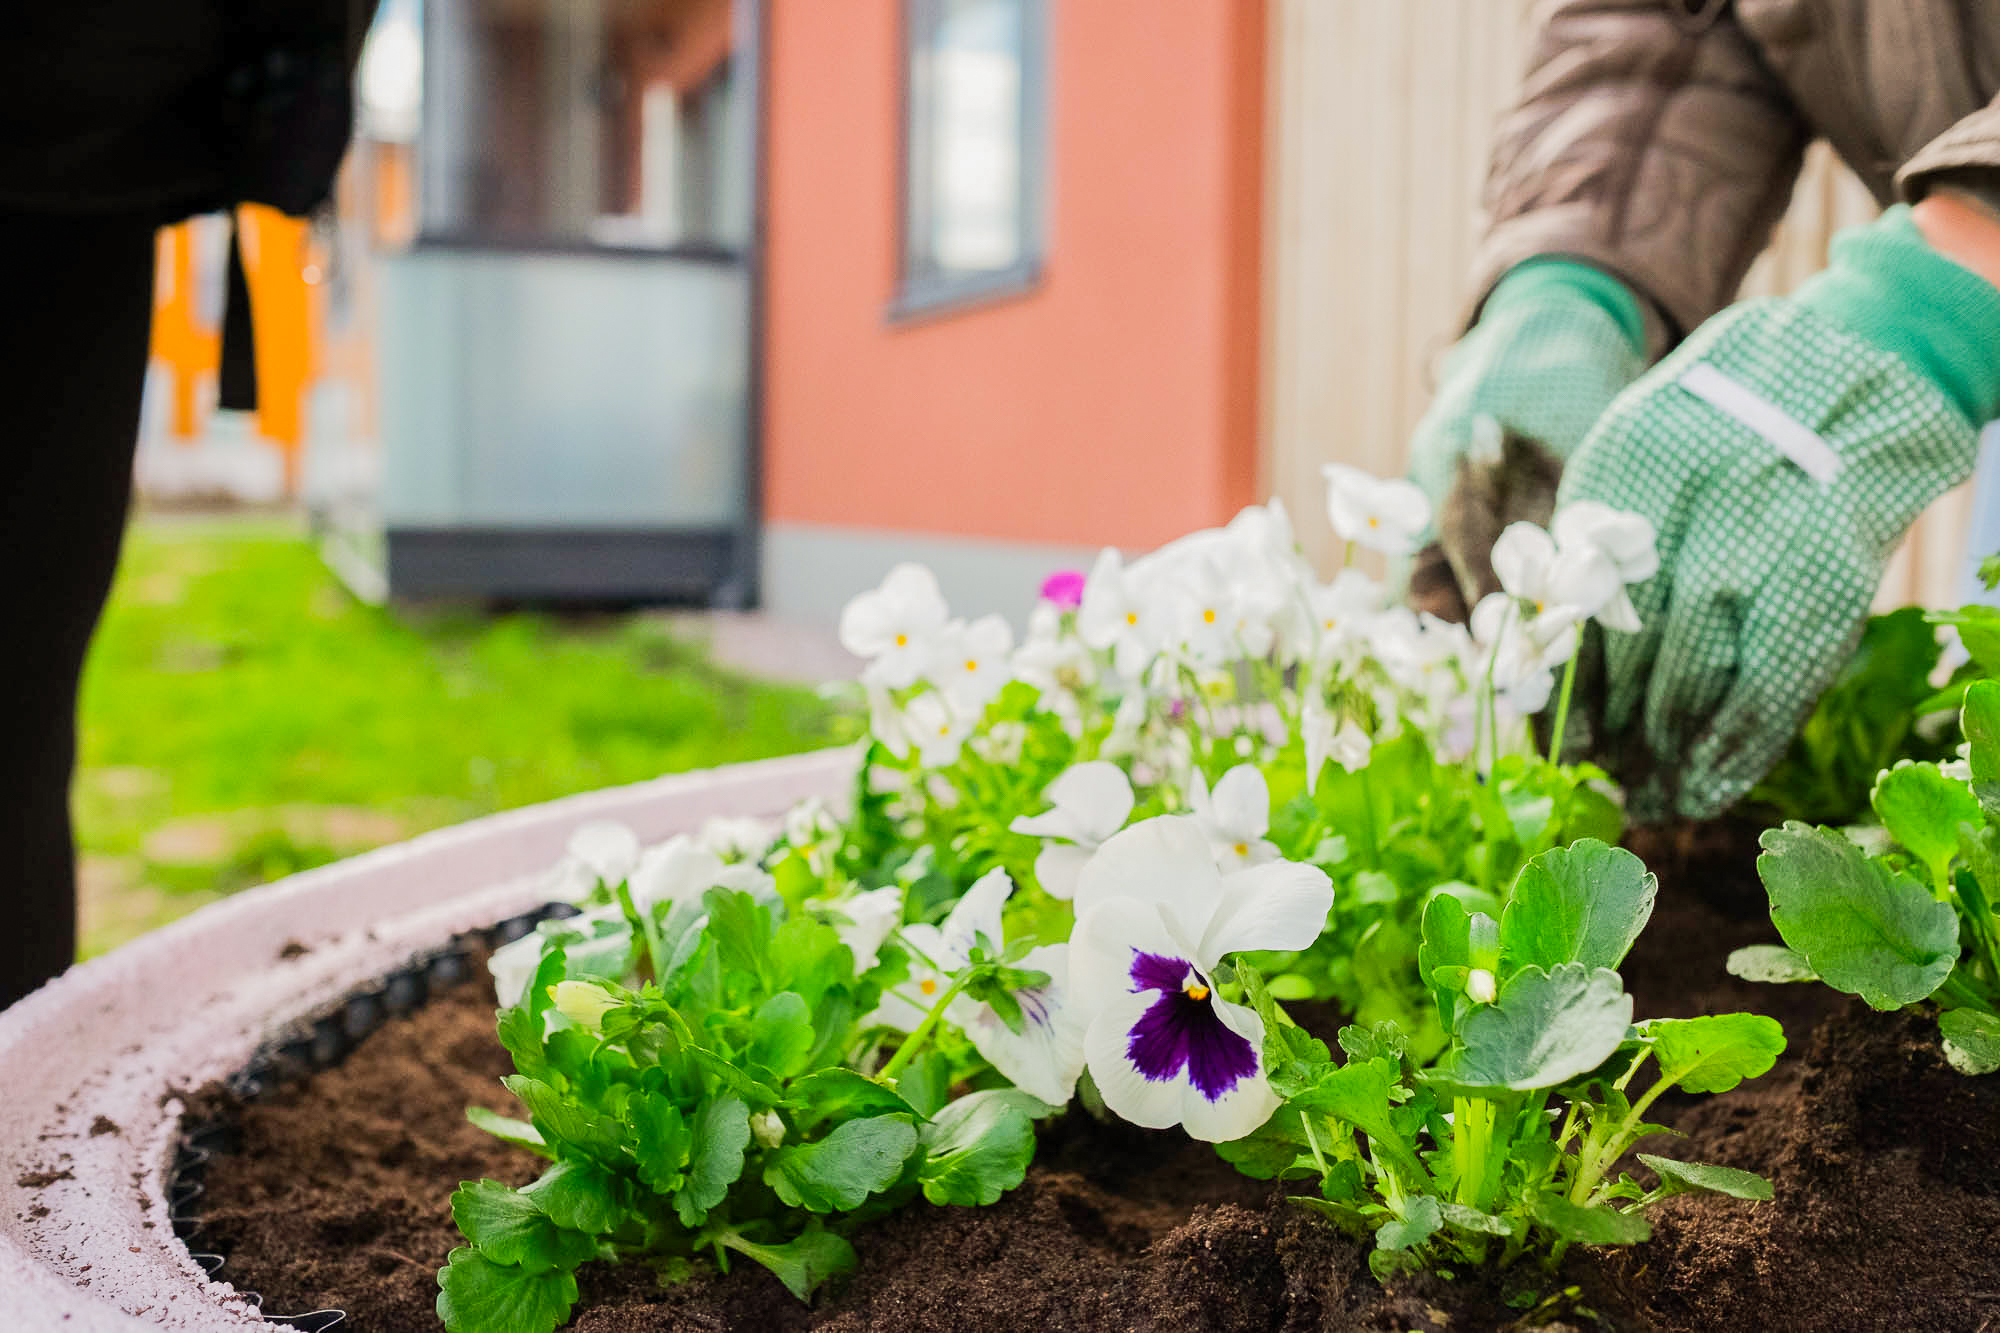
926,295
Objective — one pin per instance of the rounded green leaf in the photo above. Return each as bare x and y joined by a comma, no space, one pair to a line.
1971,1040
1545,1028
1980,717
1715,1052
1864,929
715,1160
844,1168
476,1295
979,1147
1922,809
1585,903
1770,962
801,1264
1688,1177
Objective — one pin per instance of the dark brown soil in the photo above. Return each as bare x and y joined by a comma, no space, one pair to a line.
1886,1164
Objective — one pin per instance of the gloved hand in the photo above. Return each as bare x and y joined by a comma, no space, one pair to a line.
1555,342
1780,453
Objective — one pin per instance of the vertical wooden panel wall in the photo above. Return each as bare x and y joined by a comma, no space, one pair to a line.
1380,117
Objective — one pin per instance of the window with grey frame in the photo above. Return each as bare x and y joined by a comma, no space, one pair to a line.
974,163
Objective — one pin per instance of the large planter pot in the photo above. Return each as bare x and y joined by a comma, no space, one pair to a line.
92,1067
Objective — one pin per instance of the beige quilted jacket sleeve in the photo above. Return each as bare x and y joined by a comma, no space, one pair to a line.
1649,141
1968,151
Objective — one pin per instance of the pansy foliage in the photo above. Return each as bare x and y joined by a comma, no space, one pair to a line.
1508,1145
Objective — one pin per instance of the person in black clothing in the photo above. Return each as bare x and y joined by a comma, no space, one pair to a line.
119,117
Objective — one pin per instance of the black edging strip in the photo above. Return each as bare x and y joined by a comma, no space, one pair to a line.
303,1049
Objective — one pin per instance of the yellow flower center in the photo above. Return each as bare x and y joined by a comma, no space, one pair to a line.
1131,617
1541,607
1208,616
1374,522
972,664
1196,991
1329,623
902,640
928,985
1243,849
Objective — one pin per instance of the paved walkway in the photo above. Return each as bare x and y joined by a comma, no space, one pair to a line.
760,644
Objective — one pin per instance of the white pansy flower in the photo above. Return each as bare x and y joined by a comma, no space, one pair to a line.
1519,653
865,921
935,728
605,849
1092,801
1382,514
1235,817
737,837
1553,582
1119,613
1341,739
1343,609
1046,1056
1624,540
969,662
893,625
1154,919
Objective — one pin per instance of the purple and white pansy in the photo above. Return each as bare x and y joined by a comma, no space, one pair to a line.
1046,1056
1154,918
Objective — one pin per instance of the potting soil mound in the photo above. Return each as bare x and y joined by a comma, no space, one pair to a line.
1886,1165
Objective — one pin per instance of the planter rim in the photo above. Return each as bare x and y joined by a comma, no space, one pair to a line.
86,1237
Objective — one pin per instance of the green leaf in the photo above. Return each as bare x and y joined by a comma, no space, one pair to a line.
1981,720
1544,1028
1581,904
1715,1052
781,1034
1588,1226
1922,809
1420,1221
1864,929
979,1147
476,1295
844,1168
1357,1092
508,1130
1971,1040
662,1139
843,1094
560,1119
1471,1219
1688,1177
721,1132
801,1264
579,1196
1770,962
926,1083
507,1227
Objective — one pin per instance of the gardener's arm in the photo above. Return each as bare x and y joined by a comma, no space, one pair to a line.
1639,175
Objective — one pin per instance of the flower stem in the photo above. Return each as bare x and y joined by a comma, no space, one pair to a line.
908,1050
648,929
1562,710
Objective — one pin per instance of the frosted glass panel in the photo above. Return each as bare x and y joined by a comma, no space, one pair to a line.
558,390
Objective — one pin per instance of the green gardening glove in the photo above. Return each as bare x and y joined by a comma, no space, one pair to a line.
1780,454
1555,342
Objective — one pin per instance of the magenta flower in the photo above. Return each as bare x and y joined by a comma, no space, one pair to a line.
1064,589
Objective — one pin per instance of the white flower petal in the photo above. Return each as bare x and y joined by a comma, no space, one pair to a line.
1150,1103
1057,867
605,847
1242,803
1046,1057
1521,559
1163,861
976,914
1278,905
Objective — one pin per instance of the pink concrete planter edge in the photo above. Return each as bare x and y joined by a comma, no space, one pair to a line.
189,1003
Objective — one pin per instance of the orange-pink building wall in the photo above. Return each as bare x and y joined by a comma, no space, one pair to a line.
1115,402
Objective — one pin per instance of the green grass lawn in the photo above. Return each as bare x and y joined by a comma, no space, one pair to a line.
243,717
